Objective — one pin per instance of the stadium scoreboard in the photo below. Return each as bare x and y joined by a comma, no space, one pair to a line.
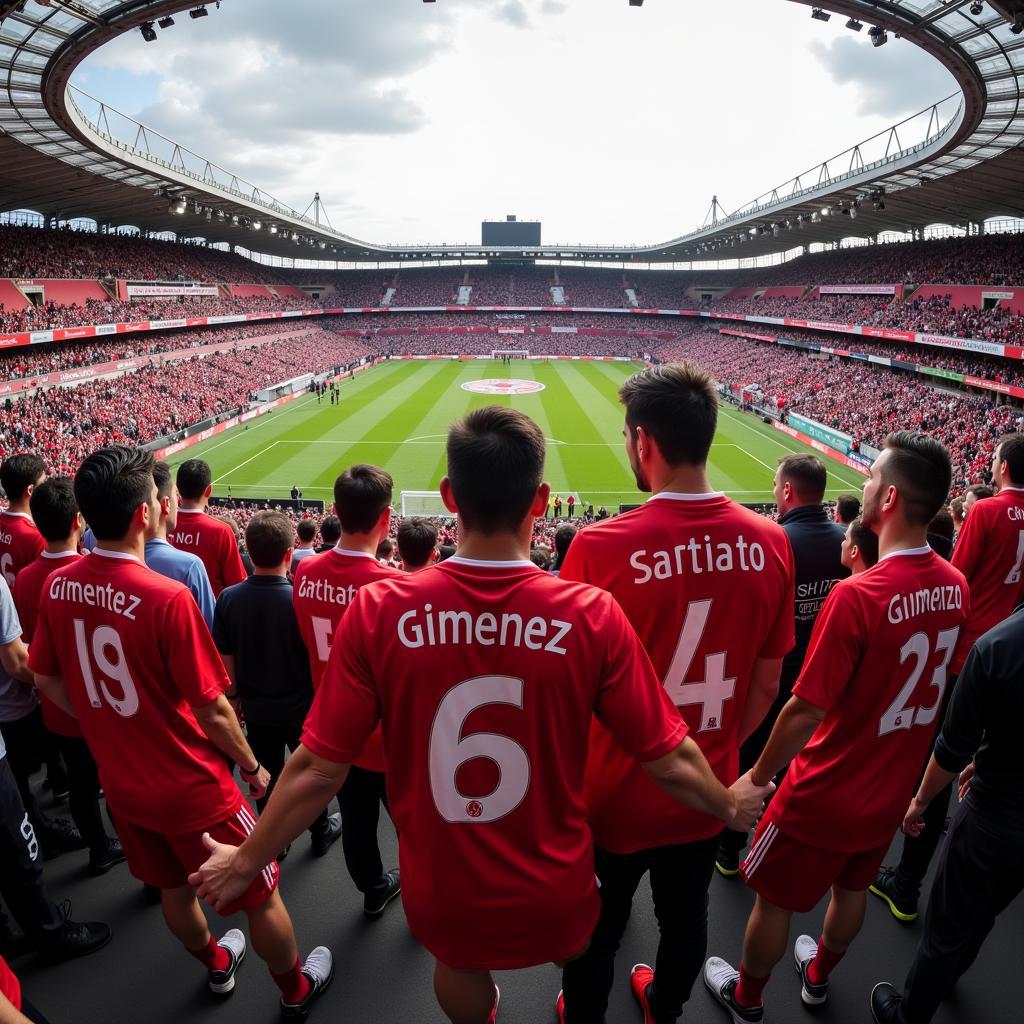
510,231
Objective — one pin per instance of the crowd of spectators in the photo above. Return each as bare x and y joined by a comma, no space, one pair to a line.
428,286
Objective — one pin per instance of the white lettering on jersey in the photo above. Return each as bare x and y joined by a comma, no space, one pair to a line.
324,590
428,628
935,599
95,595
189,539
698,557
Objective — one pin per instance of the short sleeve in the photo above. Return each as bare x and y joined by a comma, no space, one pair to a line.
10,624
346,708
199,584
42,653
234,568
837,643
631,702
782,636
189,652
221,631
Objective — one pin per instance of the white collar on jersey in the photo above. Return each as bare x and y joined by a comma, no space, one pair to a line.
19,515
1009,487
192,511
907,551
123,555
353,554
678,496
57,554
463,560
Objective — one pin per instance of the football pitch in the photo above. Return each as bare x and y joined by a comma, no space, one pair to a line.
395,415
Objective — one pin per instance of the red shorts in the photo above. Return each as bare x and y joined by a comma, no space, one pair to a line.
165,860
794,875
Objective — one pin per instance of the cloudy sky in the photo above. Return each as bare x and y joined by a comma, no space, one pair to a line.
611,124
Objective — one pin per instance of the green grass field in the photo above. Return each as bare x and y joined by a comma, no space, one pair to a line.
396,415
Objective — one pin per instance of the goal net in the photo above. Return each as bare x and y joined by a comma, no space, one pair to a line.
510,353
424,503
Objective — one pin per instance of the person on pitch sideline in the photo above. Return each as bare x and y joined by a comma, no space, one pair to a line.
990,553
204,535
855,733
126,651
485,672
685,611
324,588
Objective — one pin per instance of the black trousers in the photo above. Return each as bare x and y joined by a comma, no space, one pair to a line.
32,1013
84,787
360,798
269,743
21,867
27,739
979,875
680,877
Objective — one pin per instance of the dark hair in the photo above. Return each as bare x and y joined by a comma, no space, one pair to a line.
445,551
361,494
386,548
19,472
847,507
980,491
865,540
417,539
268,537
919,467
940,534
305,530
563,539
1011,451
54,507
541,557
495,465
162,476
330,530
110,485
807,474
677,405
194,477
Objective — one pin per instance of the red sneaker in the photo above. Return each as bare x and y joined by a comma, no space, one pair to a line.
494,1013
640,980
560,1008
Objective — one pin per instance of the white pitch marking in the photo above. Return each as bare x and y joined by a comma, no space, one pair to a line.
247,461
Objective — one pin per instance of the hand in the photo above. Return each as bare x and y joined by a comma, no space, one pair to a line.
913,821
749,800
219,881
258,783
966,778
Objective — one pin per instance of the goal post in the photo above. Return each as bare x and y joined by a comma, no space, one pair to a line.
424,503
510,353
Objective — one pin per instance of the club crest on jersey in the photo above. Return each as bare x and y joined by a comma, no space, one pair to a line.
474,808
503,387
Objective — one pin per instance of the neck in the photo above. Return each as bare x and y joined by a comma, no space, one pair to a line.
277,570
133,545
198,505
159,531
683,480
497,547
893,537
793,506
366,542
18,506
56,547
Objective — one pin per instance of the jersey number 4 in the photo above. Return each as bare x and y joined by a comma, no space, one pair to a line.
716,688
899,715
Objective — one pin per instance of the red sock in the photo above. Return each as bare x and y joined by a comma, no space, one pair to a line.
823,964
212,956
294,985
750,989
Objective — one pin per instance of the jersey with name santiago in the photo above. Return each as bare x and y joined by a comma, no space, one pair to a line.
486,676
878,665
137,657
708,586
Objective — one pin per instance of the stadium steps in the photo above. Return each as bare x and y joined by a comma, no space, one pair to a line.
11,296
389,295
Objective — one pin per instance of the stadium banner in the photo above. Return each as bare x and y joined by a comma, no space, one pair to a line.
903,365
819,447
170,291
869,450
968,344
835,439
934,371
882,360
992,385
860,289
862,458
885,334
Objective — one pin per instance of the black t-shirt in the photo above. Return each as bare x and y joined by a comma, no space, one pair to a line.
255,623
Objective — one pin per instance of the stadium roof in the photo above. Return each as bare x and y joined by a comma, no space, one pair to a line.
68,155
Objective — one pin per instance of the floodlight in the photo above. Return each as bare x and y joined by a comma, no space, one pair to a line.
257,224
198,12
636,3
854,25
273,229
166,22
878,36
977,7
819,15
148,32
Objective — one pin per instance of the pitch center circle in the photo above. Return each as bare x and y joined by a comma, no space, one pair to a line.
503,387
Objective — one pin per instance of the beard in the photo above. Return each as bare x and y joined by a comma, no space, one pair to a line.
869,513
642,483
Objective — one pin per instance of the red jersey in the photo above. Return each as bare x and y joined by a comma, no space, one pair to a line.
136,656
877,664
990,553
20,542
28,592
9,984
324,587
485,676
708,586
214,542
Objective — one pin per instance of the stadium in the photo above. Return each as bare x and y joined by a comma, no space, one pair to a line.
154,300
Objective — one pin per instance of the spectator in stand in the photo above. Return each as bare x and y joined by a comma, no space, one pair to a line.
386,553
236,532
940,534
847,509
974,494
956,511
860,548
563,541
417,544
330,533
305,533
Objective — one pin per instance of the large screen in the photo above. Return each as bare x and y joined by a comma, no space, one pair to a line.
510,232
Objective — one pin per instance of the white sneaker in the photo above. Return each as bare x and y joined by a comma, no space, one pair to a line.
721,979
223,982
805,949
319,968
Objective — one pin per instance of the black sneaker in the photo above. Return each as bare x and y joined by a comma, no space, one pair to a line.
902,905
101,861
885,1003
324,840
76,938
319,969
374,904
222,983
57,836
727,862
804,951
721,979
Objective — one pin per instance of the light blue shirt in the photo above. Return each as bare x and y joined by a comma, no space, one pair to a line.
186,568
17,699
